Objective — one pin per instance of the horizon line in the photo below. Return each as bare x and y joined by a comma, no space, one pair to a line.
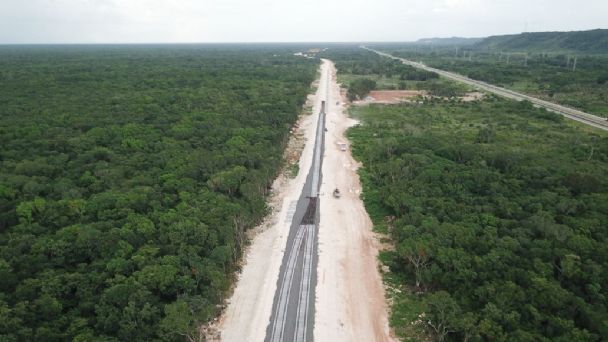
272,42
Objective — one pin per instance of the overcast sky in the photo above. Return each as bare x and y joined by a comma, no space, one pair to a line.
145,21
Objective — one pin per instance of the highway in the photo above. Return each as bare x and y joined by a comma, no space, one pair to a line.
570,113
292,317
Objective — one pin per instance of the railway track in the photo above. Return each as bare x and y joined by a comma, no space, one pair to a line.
293,306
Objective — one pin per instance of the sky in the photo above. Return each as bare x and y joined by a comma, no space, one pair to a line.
182,21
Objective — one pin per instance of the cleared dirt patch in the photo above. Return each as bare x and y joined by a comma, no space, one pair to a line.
390,96
472,96
399,96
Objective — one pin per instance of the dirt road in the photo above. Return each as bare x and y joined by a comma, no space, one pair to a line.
350,302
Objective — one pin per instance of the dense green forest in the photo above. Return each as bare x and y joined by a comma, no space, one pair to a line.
584,42
498,212
359,88
361,70
350,60
578,81
568,42
128,175
452,41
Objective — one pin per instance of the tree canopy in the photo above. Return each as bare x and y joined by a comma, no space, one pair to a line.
128,175
498,214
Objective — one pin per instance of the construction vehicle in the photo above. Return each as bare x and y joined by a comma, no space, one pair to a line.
336,193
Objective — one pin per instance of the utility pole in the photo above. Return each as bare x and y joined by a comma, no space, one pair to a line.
526,60
574,65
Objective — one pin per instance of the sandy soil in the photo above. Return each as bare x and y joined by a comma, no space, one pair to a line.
472,96
248,310
390,96
398,96
350,303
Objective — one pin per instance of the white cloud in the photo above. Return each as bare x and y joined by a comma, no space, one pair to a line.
97,21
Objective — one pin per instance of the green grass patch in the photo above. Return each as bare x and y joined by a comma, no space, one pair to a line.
293,170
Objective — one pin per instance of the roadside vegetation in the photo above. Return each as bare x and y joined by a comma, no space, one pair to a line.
128,176
359,88
360,71
576,80
496,211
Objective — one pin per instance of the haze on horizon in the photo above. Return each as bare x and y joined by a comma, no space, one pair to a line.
169,21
